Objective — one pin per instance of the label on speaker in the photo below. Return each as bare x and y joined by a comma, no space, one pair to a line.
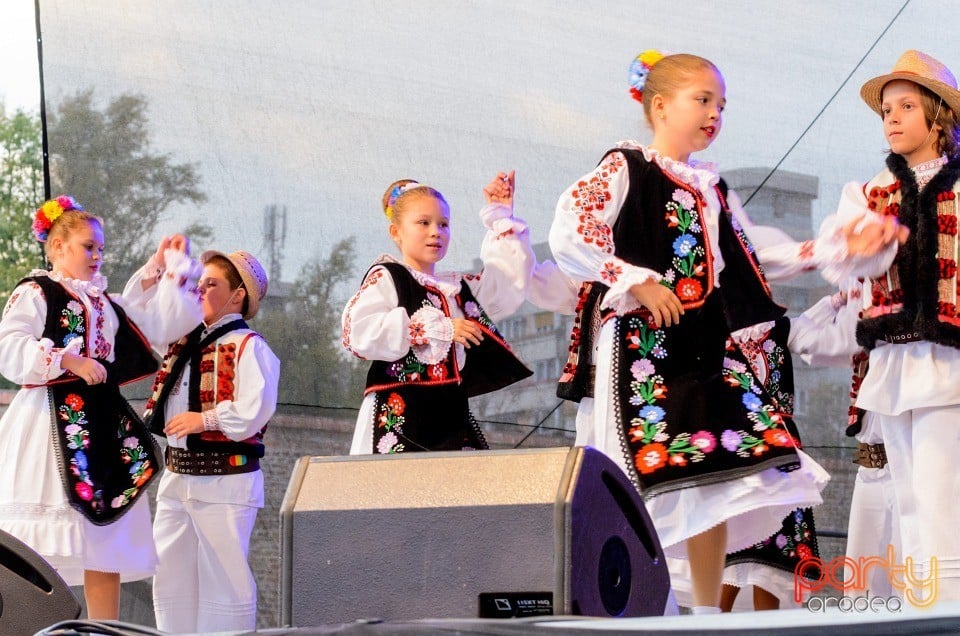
515,604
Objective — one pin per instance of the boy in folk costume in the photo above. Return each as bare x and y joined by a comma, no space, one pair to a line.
906,381
212,398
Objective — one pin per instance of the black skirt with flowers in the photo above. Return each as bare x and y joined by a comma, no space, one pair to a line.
694,406
414,418
106,455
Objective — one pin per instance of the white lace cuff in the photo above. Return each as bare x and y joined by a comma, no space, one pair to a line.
619,298
499,219
431,334
52,357
753,333
211,420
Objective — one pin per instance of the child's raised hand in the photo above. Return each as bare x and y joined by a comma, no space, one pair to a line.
184,424
466,332
161,248
180,243
87,369
873,237
664,306
500,189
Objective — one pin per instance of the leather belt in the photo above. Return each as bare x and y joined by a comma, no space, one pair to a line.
870,455
187,462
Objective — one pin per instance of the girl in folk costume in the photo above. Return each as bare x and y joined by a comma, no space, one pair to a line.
75,458
680,402
910,328
212,398
768,566
431,336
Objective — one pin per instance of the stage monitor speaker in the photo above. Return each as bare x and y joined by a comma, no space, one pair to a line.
32,594
467,534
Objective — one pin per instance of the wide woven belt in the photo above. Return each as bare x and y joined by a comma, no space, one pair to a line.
870,455
187,462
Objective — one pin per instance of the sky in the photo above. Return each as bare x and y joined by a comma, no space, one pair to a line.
19,76
318,106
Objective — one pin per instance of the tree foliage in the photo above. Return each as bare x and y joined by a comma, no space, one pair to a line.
305,335
21,190
104,159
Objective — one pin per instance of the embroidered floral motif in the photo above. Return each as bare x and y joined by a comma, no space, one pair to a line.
590,196
434,301
475,311
796,545
610,272
407,370
101,348
78,440
141,470
391,421
418,333
687,250
649,426
765,417
71,318
595,231
369,281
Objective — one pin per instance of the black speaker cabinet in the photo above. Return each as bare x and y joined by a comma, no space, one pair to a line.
32,594
466,534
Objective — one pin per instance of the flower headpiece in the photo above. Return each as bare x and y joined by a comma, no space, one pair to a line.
49,212
395,193
640,69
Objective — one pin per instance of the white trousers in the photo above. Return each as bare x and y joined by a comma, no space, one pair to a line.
922,452
872,529
203,581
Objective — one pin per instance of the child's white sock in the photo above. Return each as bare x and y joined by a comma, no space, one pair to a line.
704,609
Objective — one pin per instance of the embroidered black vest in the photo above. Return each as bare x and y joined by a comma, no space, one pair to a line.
674,246
205,388
491,365
421,407
106,456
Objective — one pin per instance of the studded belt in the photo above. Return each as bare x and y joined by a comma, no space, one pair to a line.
188,462
870,455
903,338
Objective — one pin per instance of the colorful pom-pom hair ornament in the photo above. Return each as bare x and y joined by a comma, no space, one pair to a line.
395,193
51,211
640,70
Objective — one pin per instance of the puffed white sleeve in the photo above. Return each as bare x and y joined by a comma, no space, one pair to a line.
25,356
255,395
508,261
553,290
375,327
783,257
170,309
825,334
581,236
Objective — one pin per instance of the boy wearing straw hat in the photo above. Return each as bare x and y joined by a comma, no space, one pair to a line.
212,398
906,408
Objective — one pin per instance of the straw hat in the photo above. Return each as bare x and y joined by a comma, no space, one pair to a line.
251,273
918,68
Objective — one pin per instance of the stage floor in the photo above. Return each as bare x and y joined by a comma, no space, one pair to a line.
943,619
